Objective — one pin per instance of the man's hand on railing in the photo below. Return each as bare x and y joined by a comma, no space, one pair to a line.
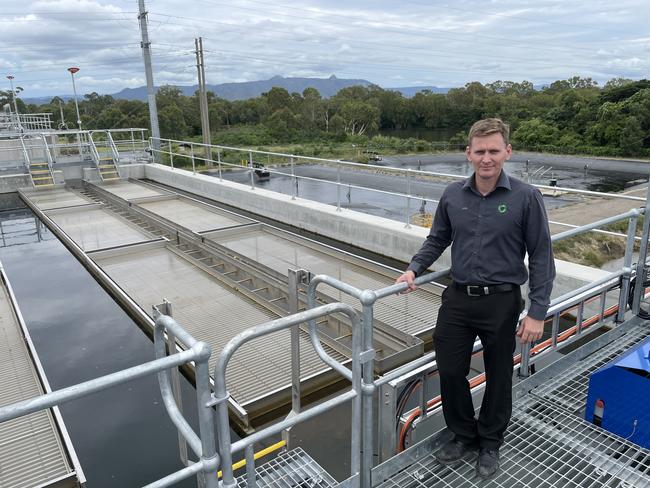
408,277
530,330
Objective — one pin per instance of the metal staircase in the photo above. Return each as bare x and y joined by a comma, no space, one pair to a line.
40,172
106,162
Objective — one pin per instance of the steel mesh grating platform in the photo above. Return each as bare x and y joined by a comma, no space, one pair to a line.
569,391
294,468
545,447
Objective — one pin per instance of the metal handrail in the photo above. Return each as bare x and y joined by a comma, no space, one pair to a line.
221,395
198,352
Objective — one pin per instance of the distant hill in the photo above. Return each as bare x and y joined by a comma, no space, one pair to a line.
327,87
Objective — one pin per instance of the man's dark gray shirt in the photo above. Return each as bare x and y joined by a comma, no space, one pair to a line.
489,237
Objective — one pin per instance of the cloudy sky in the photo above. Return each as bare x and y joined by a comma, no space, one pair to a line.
388,42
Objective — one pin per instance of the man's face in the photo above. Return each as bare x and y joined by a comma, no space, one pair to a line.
487,155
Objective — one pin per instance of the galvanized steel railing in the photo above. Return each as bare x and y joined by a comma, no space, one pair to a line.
196,157
361,355
199,352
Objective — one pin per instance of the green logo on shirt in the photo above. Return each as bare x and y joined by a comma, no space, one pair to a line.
502,208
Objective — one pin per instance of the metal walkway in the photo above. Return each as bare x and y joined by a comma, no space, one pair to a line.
548,443
222,273
32,451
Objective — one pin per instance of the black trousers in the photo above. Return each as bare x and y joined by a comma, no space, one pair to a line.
461,318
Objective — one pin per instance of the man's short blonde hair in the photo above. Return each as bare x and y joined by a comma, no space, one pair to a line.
488,127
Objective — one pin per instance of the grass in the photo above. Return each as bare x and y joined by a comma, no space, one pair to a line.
595,249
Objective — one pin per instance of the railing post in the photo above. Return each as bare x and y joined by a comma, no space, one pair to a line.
294,181
368,298
627,270
219,163
643,251
251,478
206,420
524,366
192,153
296,277
250,165
338,186
171,155
166,309
408,198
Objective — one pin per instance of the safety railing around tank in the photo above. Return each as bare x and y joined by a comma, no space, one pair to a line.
361,356
264,164
18,123
576,300
203,444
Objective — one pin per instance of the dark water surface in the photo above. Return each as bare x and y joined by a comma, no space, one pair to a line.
123,436
319,183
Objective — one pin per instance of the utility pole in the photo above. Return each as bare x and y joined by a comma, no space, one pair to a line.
151,94
203,101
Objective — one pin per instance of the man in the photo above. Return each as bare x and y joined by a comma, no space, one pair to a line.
491,221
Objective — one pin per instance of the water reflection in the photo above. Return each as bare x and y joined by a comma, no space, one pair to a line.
123,436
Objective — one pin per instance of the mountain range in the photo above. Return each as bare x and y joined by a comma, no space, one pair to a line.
327,87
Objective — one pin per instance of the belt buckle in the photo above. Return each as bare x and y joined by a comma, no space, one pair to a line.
469,290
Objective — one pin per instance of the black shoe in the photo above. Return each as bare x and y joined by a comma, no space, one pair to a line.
488,462
454,451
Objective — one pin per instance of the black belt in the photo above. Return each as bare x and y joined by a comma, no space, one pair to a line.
482,290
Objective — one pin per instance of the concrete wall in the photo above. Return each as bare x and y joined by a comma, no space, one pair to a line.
11,183
379,235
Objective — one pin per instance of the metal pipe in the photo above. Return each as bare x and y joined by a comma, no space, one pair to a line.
338,186
627,267
251,480
164,380
221,394
559,303
367,300
192,153
210,458
594,225
288,422
177,477
80,390
250,165
643,251
166,322
408,198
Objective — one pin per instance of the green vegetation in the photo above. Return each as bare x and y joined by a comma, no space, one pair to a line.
595,249
568,116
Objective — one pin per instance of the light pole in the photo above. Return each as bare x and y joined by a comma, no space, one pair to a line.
72,71
13,95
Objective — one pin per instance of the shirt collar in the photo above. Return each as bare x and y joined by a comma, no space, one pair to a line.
503,182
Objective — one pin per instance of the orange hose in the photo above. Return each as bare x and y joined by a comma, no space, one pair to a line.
479,379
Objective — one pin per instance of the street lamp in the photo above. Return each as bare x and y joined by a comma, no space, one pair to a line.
13,95
72,71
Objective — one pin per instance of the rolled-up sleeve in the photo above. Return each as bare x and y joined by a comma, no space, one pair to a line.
541,265
436,242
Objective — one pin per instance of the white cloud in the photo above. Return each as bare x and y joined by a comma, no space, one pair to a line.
411,42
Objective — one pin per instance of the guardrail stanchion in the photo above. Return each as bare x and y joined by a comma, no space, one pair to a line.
524,366
294,181
192,154
171,155
250,165
408,198
295,277
251,478
627,269
219,163
643,251
338,186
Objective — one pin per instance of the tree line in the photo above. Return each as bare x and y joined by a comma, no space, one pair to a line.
575,115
